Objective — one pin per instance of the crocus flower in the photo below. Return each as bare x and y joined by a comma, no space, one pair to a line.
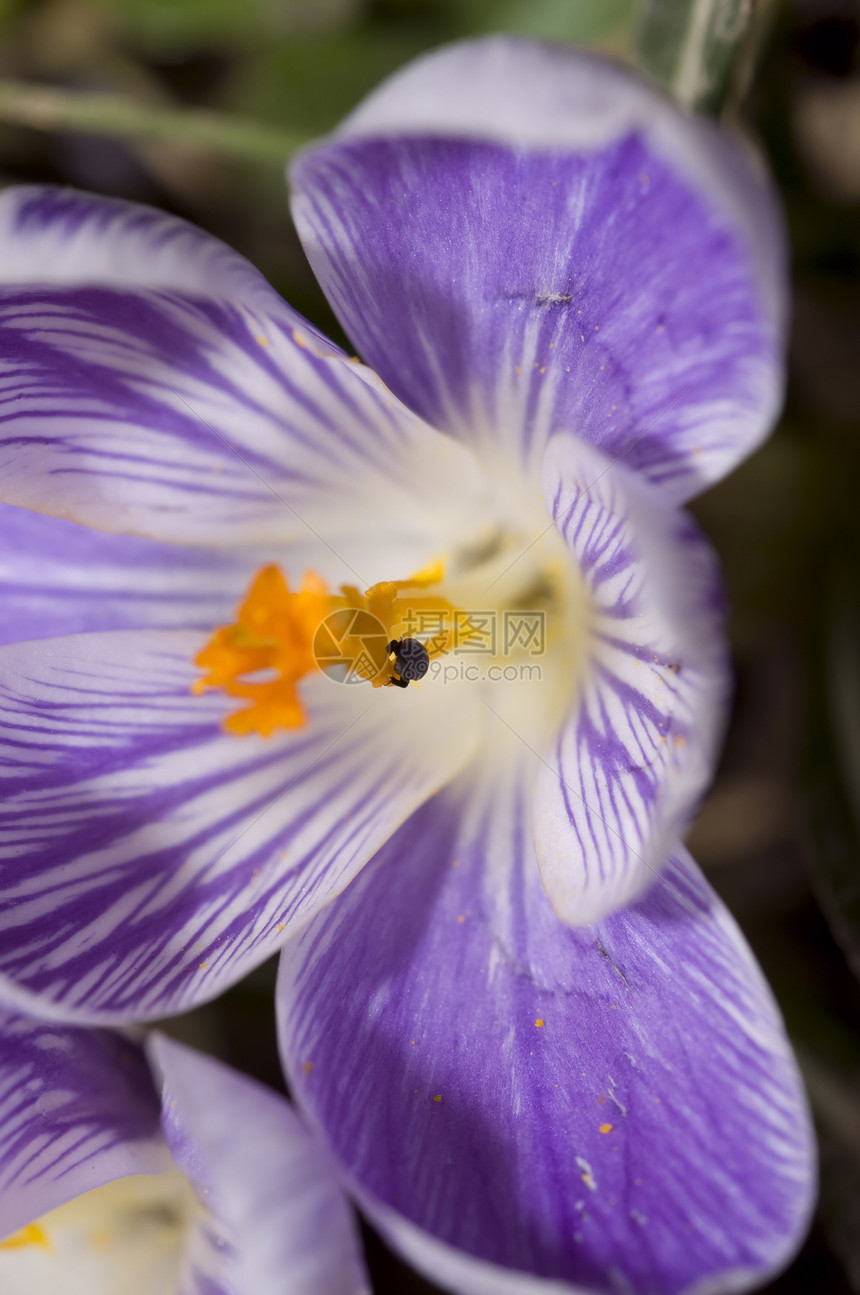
536,1042
183,1177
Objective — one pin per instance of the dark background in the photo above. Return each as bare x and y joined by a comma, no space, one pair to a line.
779,835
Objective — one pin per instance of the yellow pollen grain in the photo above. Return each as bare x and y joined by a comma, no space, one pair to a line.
438,1097
203,964
539,1022
606,1128
307,1067
262,341
298,339
31,1235
543,370
461,917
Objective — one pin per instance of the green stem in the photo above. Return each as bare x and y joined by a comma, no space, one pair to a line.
48,108
693,46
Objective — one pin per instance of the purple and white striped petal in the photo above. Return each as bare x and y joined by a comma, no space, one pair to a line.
59,578
66,237
524,239
640,743
270,1189
77,1110
149,859
194,417
607,1109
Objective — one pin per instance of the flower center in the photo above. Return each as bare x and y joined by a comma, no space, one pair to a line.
282,635
127,1235
499,614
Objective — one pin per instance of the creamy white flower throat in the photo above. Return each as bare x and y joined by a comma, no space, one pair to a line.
510,608
128,1236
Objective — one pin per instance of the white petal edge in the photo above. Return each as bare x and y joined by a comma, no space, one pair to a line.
273,1186
61,236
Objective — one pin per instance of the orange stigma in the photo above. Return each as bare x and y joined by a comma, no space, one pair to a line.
274,633
281,635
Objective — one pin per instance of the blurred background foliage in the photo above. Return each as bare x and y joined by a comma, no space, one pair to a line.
779,835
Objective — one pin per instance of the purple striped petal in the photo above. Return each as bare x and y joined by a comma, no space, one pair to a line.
77,1110
200,418
269,1188
167,416
609,1109
62,236
150,859
257,1209
640,744
59,578
524,239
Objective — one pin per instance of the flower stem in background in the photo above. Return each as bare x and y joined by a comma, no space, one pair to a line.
691,47
58,109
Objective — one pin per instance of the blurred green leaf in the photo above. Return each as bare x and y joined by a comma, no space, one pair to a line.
311,82
167,27
56,108
689,46
835,703
587,21
835,1101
